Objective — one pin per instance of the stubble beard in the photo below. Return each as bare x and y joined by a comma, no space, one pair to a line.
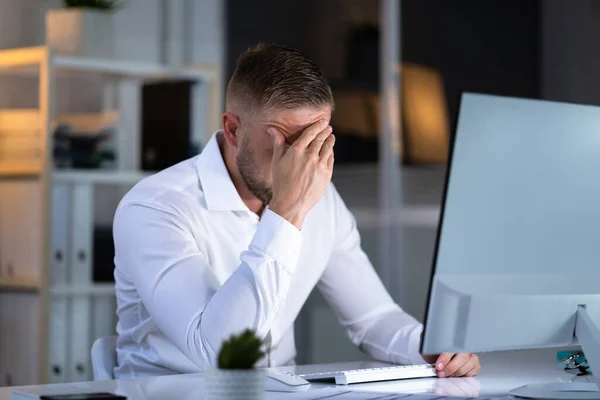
250,173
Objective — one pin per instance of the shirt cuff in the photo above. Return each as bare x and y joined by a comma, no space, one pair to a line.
279,239
414,347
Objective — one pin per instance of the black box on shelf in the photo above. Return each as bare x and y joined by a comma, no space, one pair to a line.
166,123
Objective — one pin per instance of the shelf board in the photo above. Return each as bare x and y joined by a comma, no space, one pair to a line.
26,61
16,169
407,216
19,285
20,57
97,289
133,69
99,177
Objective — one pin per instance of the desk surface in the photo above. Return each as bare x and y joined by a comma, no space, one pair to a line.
500,373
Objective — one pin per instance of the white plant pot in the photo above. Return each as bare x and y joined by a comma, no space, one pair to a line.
232,384
80,32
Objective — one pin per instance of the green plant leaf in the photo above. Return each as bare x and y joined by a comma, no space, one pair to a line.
240,351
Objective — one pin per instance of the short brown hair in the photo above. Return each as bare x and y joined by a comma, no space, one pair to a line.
277,77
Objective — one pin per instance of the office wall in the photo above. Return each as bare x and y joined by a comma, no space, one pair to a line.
570,58
490,46
316,27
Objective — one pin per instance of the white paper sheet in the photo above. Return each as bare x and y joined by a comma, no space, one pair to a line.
345,393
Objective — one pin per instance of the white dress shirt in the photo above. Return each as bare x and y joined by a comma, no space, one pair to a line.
194,265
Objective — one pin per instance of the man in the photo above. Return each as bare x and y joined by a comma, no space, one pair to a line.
238,237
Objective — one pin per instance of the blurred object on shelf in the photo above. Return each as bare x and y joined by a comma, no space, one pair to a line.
167,123
355,123
425,121
84,28
101,5
81,140
73,150
19,136
89,123
426,125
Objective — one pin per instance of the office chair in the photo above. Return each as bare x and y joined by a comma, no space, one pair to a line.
104,358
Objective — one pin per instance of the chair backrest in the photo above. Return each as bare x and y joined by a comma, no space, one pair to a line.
104,358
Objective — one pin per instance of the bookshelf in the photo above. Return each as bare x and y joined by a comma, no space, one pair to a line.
47,219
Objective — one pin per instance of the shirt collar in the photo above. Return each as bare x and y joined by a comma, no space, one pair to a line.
219,191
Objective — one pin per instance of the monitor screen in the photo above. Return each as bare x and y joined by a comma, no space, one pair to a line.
519,239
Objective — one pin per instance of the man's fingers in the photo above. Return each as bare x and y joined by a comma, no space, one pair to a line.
458,361
278,143
471,364
317,143
443,360
310,133
327,147
471,368
330,161
473,372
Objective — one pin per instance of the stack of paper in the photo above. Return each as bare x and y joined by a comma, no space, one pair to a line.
345,393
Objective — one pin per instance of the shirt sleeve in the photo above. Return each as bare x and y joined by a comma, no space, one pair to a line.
363,306
157,250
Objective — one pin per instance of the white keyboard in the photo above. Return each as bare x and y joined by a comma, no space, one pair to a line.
374,374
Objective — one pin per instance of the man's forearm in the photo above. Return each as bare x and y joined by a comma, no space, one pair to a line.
254,293
394,337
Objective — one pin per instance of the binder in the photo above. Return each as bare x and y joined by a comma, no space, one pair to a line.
59,253
79,363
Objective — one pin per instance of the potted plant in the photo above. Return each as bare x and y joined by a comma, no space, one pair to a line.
82,28
236,377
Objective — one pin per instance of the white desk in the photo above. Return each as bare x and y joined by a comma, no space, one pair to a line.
501,372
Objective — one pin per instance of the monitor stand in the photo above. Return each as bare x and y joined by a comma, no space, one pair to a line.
588,335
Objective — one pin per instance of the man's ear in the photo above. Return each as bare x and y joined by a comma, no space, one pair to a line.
231,125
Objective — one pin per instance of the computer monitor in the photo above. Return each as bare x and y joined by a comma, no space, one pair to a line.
517,260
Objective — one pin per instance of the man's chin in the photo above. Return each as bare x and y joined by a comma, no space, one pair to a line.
266,200
264,196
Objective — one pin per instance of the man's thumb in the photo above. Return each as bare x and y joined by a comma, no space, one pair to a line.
278,143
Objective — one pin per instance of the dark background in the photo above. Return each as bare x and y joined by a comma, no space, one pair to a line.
490,46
